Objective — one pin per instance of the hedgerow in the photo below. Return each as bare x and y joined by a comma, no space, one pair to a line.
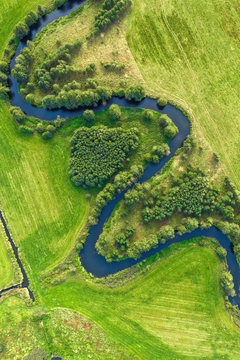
97,153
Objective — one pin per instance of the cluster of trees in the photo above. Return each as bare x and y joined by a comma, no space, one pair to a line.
122,239
122,180
136,194
230,229
22,28
97,153
115,112
227,283
17,113
190,194
22,67
135,93
157,153
110,11
56,66
75,98
168,128
113,65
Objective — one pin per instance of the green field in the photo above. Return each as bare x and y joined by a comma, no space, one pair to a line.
6,266
174,311
189,52
175,308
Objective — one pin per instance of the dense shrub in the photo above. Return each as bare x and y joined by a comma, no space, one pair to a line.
165,233
148,115
227,283
97,153
31,18
135,93
26,129
161,102
40,128
17,113
88,115
190,194
21,30
164,120
21,69
3,91
170,131
110,11
113,66
47,135
4,66
114,112
75,98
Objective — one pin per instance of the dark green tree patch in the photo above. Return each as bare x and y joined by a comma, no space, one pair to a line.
97,153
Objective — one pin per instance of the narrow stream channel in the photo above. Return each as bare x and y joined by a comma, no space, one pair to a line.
91,260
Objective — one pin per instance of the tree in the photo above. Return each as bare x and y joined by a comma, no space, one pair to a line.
190,224
51,128
170,131
165,233
135,93
17,113
40,128
164,120
26,129
47,135
3,92
115,112
31,18
161,102
148,115
227,283
88,115
21,30
4,66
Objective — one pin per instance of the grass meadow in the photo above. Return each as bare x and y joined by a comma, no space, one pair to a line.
6,266
189,51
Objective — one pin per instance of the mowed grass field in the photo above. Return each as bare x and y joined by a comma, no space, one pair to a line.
45,212
174,311
189,51
6,266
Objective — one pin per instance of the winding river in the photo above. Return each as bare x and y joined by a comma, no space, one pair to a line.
90,259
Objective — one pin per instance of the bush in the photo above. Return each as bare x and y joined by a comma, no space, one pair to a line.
161,102
164,120
21,30
3,78
135,93
221,252
97,153
4,67
3,92
88,115
148,115
114,112
17,113
227,283
26,129
30,98
47,135
170,131
40,128
165,233
51,128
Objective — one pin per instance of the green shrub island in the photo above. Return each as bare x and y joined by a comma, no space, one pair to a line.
189,197
97,153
